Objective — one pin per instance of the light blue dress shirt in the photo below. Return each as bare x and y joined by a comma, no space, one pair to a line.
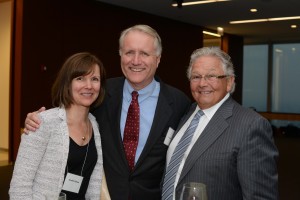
147,98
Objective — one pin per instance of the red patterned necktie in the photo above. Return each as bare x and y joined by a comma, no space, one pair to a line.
132,129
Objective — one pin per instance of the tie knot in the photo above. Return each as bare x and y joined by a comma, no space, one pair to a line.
134,95
199,114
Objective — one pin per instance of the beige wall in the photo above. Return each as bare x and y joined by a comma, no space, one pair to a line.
5,36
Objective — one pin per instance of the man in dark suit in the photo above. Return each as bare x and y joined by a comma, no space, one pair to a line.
232,150
161,107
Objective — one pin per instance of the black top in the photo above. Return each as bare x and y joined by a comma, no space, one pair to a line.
75,162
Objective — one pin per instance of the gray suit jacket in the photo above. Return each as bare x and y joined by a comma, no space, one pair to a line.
144,181
235,156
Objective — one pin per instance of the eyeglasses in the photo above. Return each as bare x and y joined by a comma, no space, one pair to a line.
209,78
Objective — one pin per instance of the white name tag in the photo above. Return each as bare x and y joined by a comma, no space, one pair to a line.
169,136
72,183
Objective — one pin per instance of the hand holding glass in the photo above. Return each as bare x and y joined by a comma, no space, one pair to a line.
193,191
62,196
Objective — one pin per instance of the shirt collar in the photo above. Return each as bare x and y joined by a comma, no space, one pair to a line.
209,112
143,93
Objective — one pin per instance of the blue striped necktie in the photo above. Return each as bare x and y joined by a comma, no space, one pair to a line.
170,175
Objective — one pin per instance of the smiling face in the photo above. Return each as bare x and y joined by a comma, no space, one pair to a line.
85,89
138,59
209,93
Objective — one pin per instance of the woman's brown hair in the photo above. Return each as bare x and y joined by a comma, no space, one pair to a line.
79,64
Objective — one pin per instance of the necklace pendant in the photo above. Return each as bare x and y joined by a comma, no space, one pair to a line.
83,138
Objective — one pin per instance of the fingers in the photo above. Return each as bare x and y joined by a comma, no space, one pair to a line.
25,130
32,121
29,127
41,109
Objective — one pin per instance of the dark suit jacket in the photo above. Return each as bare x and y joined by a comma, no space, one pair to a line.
235,156
144,181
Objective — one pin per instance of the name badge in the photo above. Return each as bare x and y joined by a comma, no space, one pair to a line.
72,183
169,136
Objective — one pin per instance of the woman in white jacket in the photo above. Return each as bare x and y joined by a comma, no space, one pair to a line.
64,154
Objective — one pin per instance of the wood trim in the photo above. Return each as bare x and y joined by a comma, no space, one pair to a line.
280,116
15,80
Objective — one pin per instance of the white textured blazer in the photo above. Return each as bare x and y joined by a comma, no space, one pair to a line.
42,158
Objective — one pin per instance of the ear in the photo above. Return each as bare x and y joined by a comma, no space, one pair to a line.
230,82
158,60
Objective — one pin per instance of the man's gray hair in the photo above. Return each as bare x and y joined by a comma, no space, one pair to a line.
145,29
225,59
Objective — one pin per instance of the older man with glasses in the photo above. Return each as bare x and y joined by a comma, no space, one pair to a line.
219,143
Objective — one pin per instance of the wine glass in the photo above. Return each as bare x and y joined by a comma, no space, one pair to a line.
62,196
193,191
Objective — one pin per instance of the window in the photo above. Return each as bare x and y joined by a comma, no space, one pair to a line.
255,77
286,78
280,75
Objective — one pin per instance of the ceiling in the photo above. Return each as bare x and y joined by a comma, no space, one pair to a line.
219,14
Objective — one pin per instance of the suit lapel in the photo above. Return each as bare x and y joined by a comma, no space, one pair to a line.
210,134
185,118
162,115
114,106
